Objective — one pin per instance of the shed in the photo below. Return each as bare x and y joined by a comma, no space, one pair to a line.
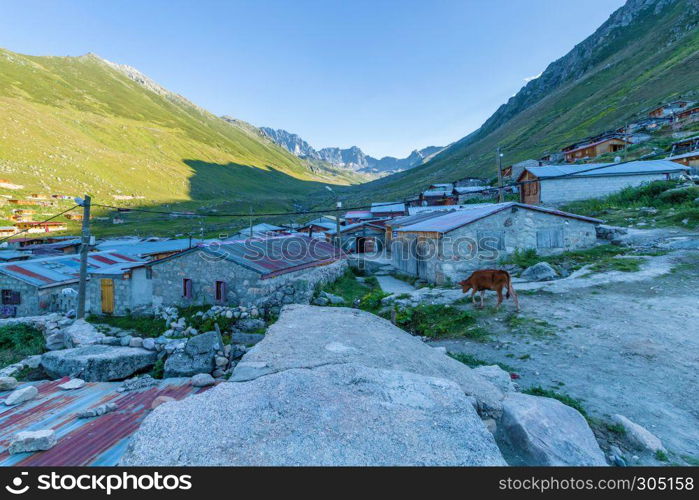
449,247
355,216
690,159
557,184
261,272
593,149
361,237
37,286
384,209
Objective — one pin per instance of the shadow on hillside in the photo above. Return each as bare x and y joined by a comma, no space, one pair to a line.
218,189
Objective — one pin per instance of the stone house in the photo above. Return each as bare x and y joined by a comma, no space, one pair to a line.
449,247
39,286
259,272
558,184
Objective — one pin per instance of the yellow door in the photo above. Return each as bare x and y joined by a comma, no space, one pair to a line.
107,286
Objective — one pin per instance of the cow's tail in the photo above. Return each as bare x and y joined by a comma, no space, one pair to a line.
511,290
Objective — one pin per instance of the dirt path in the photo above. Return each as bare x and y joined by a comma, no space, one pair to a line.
617,346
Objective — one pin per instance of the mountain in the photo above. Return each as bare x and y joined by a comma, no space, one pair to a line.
71,125
645,54
352,158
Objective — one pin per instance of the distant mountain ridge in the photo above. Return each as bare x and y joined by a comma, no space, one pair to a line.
353,158
645,54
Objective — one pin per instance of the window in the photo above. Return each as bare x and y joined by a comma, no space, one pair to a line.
10,298
187,288
220,291
549,238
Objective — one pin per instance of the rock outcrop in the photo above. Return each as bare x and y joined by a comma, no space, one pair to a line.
339,414
640,437
307,337
98,363
543,431
197,356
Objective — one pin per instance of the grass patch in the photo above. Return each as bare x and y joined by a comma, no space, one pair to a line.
158,371
615,428
347,287
19,341
661,456
473,362
438,321
146,326
563,398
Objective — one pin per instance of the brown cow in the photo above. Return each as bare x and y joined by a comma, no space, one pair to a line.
489,279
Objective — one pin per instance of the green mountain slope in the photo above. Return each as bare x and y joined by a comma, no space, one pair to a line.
72,125
645,54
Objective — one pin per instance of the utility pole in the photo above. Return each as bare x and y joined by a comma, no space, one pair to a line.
501,194
84,247
338,236
250,221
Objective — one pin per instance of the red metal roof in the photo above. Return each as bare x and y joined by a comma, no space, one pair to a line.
82,441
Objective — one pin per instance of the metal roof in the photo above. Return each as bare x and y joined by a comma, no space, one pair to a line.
53,271
358,214
7,255
436,192
473,189
271,256
146,248
685,155
82,441
387,207
324,224
377,223
444,208
414,219
606,169
459,218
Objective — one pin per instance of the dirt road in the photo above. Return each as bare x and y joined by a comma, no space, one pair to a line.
628,347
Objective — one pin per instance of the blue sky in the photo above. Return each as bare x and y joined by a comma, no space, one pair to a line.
387,76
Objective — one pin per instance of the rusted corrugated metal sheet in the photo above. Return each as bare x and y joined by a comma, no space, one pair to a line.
82,441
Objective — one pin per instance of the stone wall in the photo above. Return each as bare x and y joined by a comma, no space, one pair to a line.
243,286
558,191
34,300
484,243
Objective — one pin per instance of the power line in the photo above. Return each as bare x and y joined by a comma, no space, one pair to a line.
42,222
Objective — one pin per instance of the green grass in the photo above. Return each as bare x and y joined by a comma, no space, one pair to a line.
615,428
563,398
146,326
438,321
473,361
661,456
349,288
19,341
158,370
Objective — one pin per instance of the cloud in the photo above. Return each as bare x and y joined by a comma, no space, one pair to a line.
530,78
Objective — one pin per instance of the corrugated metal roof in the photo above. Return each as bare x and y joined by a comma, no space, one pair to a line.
387,207
414,219
6,255
358,214
146,248
378,223
444,208
276,255
473,189
436,192
52,271
605,169
685,155
459,218
82,441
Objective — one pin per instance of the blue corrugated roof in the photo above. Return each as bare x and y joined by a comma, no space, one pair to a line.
604,169
52,271
459,218
146,248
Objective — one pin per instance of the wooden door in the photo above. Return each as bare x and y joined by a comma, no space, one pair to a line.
107,286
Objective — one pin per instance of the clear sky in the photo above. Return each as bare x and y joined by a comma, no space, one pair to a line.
387,76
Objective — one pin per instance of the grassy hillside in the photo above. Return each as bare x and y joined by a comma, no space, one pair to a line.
613,76
71,125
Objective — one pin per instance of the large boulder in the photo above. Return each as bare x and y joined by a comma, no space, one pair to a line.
307,337
542,271
543,431
19,396
197,356
98,363
8,383
497,376
81,333
334,415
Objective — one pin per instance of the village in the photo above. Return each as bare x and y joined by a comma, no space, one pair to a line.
162,319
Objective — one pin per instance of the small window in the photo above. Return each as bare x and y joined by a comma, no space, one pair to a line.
10,298
187,288
220,291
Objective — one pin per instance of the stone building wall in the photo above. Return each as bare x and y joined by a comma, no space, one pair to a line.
482,244
243,286
35,300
